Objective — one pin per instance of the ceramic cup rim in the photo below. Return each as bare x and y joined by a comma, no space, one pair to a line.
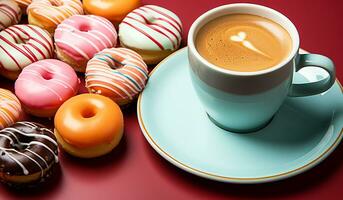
291,29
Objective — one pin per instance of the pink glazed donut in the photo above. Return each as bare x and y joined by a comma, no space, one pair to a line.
79,37
43,86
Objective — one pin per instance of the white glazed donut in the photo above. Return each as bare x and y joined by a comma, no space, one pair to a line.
152,31
10,13
21,45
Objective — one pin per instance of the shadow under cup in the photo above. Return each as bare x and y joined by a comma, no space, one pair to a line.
241,101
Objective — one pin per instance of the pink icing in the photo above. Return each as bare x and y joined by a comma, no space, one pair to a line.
82,36
46,84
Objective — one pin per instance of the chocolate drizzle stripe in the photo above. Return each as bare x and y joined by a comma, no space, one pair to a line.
40,157
46,147
25,171
23,151
33,160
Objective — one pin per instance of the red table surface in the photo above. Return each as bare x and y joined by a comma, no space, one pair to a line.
135,171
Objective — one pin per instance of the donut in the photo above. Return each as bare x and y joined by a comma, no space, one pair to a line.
117,73
152,31
21,45
10,108
10,13
79,37
47,14
23,4
113,10
43,86
28,152
89,125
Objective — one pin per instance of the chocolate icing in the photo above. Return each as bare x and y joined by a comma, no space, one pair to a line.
27,148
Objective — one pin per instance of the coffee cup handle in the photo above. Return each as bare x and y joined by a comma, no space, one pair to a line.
312,88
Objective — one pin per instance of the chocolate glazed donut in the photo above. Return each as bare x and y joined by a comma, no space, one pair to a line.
27,153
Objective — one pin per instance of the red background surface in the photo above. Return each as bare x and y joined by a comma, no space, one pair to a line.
135,171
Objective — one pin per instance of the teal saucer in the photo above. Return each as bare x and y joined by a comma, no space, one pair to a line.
302,134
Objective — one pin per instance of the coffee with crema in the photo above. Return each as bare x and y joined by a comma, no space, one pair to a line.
243,42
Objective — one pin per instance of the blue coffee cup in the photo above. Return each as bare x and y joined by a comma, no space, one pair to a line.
247,101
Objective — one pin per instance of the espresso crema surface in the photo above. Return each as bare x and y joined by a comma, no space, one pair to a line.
243,42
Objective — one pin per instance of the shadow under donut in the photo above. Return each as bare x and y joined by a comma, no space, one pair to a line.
45,187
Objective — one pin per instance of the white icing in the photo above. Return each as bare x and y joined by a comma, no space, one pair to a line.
10,108
10,13
25,171
46,147
55,14
31,134
13,59
40,157
131,37
8,150
23,2
125,81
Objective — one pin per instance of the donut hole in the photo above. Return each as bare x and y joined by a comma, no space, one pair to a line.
84,28
20,41
47,76
116,64
88,113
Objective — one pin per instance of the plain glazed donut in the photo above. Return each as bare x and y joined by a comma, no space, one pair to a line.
47,14
43,86
10,108
21,45
113,10
28,151
89,125
152,31
79,37
23,4
117,73
10,13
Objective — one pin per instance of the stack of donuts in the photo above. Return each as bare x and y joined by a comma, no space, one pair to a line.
104,45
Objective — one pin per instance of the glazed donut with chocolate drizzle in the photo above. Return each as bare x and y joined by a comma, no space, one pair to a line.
47,14
27,153
10,13
117,73
152,31
21,45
